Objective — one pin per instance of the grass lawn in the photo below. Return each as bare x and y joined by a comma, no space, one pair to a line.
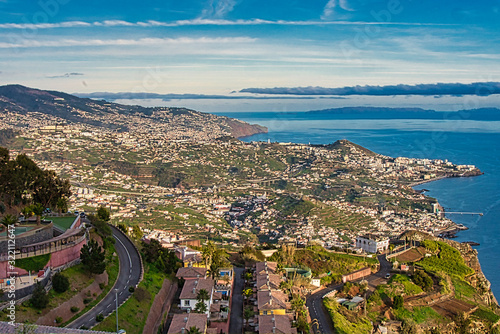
34,263
133,314
62,222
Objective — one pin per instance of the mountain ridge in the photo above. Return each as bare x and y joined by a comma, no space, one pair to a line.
66,107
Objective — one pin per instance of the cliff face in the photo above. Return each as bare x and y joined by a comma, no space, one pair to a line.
241,129
478,280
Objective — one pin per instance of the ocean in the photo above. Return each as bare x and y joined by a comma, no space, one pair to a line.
459,141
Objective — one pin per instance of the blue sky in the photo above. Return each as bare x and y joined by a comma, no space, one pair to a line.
222,46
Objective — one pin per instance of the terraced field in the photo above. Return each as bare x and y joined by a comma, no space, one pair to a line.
334,217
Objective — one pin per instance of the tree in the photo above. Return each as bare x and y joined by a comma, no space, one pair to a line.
462,322
62,204
193,330
248,313
136,231
103,214
423,280
38,211
398,301
60,283
93,256
200,307
40,299
123,227
9,220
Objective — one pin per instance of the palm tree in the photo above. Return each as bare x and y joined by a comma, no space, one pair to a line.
38,211
193,330
62,204
202,295
9,220
27,212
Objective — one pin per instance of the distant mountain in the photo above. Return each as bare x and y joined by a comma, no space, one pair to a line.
65,107
483,114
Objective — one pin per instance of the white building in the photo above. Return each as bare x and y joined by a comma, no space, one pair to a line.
372,243
190,291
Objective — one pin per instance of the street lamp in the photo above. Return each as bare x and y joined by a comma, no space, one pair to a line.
116,300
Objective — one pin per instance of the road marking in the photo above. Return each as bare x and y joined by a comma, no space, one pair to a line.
129,259
108,306
121,293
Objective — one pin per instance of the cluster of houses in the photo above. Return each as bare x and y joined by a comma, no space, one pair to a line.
270,304
213,318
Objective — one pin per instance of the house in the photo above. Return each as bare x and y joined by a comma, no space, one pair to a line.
268,282
271,324
262,268
371,243
188,273
225,282
181,323
189,293
189,257
272,302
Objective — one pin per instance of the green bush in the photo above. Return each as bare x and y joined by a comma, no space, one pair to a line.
398,301
99,317
87,300
60,283
74,309
59,320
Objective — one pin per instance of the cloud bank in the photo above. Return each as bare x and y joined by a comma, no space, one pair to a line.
168,97
456,89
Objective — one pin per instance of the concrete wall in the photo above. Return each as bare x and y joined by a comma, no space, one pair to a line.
356,275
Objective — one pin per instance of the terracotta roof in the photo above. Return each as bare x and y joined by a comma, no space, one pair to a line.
270,324
192,286
6,328
196,258
191,272
273,279
262,266
272,300
186,321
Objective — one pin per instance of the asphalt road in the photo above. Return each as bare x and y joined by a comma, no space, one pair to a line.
129,275
321,320
236,324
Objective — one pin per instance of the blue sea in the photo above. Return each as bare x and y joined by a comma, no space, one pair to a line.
459,141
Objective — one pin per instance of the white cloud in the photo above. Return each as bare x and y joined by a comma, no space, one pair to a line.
197,22
218,8
125,42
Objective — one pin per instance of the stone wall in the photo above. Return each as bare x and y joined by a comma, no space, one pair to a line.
39,234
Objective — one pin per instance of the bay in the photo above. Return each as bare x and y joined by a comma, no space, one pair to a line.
459,141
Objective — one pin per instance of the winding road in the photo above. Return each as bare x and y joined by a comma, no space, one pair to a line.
321,320
129,275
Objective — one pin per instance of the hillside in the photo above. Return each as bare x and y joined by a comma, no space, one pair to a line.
64,108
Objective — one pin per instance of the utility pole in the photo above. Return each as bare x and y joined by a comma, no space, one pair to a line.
116,300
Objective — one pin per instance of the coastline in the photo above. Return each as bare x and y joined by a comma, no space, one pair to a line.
455,228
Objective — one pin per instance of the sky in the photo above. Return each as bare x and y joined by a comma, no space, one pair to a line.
220,51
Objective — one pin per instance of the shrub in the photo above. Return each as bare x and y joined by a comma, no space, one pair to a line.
99,317
102,285
59,320
398,301
40,299
60,283
74,309
423,280
87,300
131,289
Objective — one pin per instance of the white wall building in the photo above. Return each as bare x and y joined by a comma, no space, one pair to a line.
372,243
